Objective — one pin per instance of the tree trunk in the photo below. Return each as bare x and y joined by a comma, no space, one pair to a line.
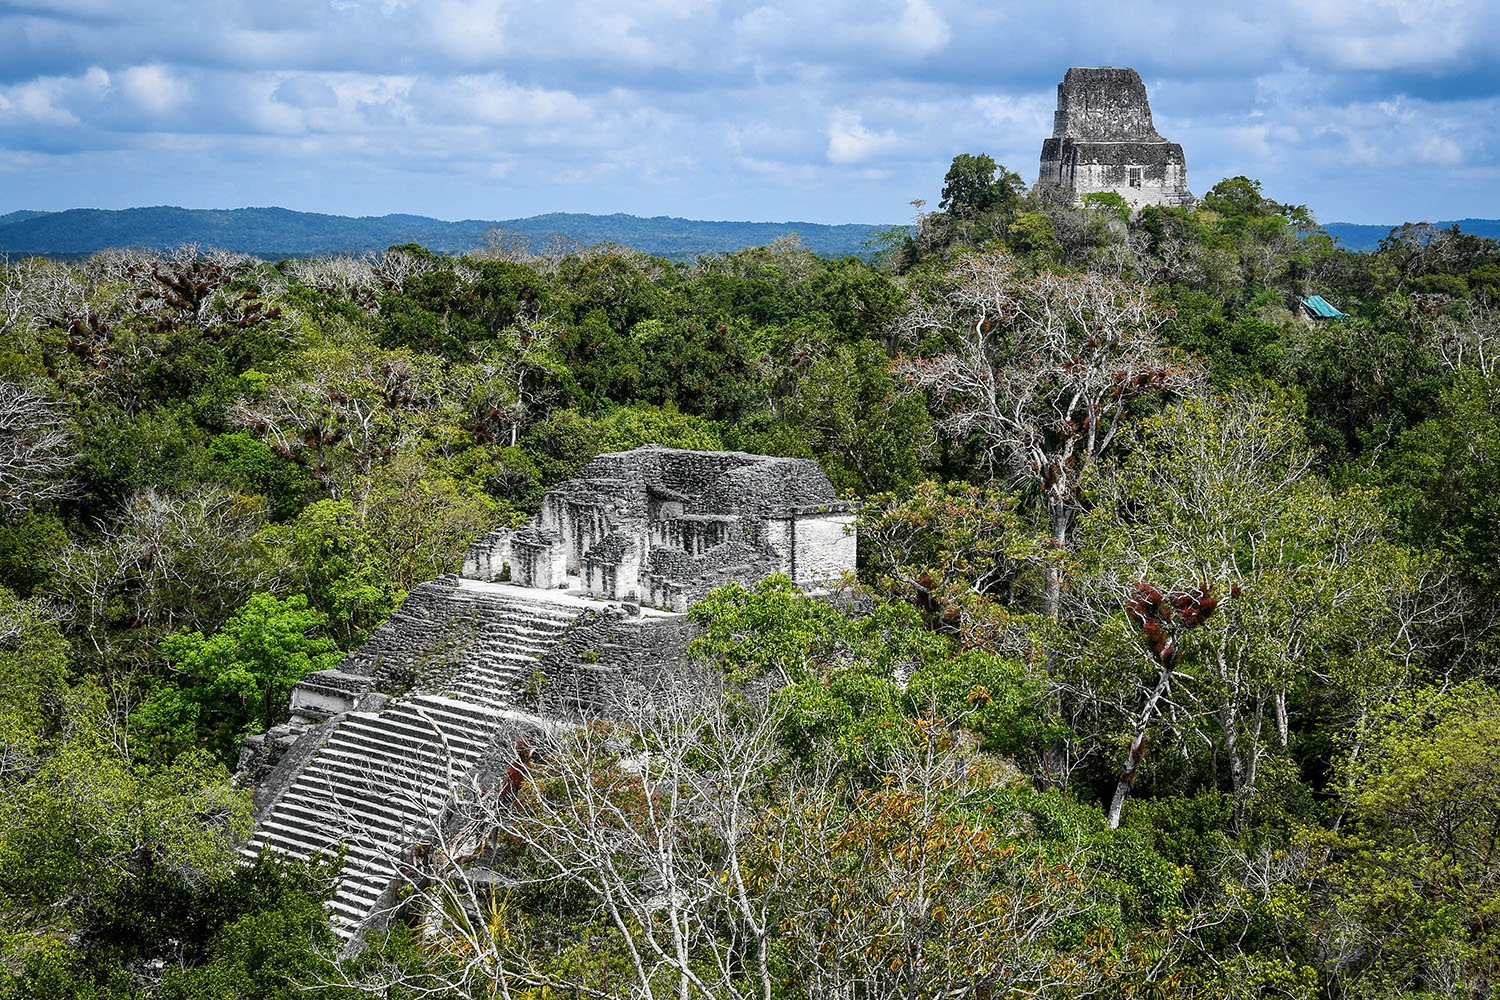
1062,517
1137,749
1229,723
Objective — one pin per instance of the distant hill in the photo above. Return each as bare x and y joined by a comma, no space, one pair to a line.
274,233
18,217
1353,236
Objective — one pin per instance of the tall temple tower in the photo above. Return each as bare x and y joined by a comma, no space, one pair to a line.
1103,140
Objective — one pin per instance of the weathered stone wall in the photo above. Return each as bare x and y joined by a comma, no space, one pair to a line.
824,548
1104,139
663,525
609,660
1103,104
488,557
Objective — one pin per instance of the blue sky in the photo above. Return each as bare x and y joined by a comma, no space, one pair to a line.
1380,111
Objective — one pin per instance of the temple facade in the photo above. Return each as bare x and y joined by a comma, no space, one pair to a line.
1103,139
662,526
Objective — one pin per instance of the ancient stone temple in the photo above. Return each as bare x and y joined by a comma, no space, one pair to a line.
546,625
1103,139
661,526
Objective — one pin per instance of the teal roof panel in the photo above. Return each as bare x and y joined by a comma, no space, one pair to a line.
1321,308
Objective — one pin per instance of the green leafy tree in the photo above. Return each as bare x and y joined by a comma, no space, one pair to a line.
334,561
422,519
34,661
340,412
450,308
868,434
238,680
1441,479
241,460
1109,204
1366,382
28,546
1234,196
975,184
859,302
256,931
1412,885
943,545
1031,235
85,814
836,672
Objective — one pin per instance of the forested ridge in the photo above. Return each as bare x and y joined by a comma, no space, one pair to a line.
1169,670
273,233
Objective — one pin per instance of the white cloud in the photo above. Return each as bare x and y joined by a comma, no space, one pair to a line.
470,30
921,29
54,100
153,88
493,100
850,142
304,91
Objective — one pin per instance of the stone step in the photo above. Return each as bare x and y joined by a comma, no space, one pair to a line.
369,763
347,795
527,618
294,839
394,802
306,815
399,747
485,697
402,723
489,687
385,811
381,778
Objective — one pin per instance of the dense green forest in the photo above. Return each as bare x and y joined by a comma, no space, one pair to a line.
1169,670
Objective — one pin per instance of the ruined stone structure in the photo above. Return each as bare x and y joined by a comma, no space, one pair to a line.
1103,139
661,526
377,750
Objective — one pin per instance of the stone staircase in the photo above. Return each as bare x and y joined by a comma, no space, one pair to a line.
381,779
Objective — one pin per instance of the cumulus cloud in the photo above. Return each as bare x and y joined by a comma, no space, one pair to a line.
471,31
836,111
850,142
153,88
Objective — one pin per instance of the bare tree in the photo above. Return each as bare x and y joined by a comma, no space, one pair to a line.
165,562
501,243
342,275
1044,373
36,448
654,816
1469,341
345,413
35,287
512,372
